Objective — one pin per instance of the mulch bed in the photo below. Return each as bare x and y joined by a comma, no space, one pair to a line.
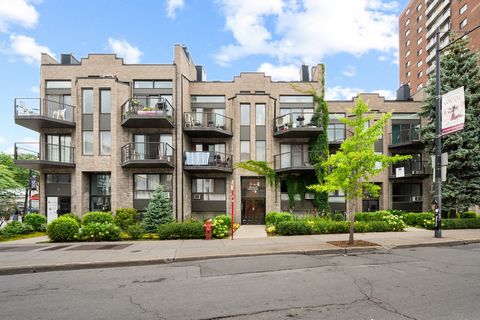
356,243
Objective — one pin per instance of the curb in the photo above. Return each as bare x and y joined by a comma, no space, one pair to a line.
116,264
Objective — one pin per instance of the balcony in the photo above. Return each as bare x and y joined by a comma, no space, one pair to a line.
405,138
36,156
136,115
148,155
37,113
207,161
297,125
407,202
207,125
410,169
293,162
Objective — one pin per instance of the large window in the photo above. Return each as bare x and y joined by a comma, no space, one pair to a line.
153,84
105,143
407,192
153,145
146,184
296,99
58,178
245,114
59,148
260,150
208,99
244,150
100,192
260,114
208,189
59,84
88,143
105,101
87,99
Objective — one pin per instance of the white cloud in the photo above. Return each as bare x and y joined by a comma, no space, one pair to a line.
172,6
3,140
280,73
122,48
341,93
17,12
28,48
382,58
308,30
35,89
350,71
388,94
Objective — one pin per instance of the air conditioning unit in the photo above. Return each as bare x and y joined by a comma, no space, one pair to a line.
417,199
197,196
167,195
417,172
309,196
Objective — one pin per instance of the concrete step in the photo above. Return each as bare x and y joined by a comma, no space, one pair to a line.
250,232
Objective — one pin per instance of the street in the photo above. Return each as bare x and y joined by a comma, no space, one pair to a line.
421,283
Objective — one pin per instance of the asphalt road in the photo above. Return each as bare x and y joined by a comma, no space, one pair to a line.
422,283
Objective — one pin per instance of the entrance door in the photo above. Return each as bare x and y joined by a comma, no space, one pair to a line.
253,200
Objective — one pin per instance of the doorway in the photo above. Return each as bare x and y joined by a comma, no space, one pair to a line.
253,200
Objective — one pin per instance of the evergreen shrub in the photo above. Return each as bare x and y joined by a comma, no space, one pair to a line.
35,220
125,217
63,229
159,211
181,230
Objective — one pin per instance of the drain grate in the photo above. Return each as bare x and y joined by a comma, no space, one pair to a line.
55,248
100,247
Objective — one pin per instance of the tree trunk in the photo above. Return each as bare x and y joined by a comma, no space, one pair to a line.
25,204
352,221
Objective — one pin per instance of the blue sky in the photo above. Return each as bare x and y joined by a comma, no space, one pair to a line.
356,39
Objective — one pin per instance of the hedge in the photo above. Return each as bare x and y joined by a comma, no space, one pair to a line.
417,219
274,218
371,216
181,230
96,231
294,227
125,217
36,221
468,215
63,229
461,223
97,217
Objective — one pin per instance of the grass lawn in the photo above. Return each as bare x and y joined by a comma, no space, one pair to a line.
22,236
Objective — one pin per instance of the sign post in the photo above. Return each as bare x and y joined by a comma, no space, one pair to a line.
233,204
52,209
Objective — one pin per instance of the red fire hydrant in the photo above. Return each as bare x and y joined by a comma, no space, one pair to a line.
208,229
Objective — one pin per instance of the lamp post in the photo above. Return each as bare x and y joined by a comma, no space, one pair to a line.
438,131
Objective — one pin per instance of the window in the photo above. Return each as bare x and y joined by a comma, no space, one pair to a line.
407,22
407,74
208,99
244,150
463,23
407,33
260,114
245,114
87,98
59,148
407,54
407,43
105,143
105,101
419,63
419,7
153,146
419,52
463,8
419,30
420,86
58,179
419,18
208,190
152,100
406,192
100,191
419,41
407,64
146,184
153,84
407,12
420,74
58,84
336,197
260,150
296,99
88,142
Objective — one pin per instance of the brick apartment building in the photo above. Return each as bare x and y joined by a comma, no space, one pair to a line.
417,30
111,132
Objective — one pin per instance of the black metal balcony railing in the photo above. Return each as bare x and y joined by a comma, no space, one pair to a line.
409,169
35,107
405,136
145,151
208,159
296,120
161,108
294,159
199,120
34,151
336,132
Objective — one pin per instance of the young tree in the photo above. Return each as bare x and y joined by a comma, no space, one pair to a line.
20,176
353,166
159,211
458,67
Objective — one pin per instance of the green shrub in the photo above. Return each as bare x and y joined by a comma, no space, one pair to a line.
417,219
125,217
371,216
395,223
396,212
181,230
35,220
294,227
461,223
14,228
222,225
338,217
159,211
97,217
274,218
73,216
361,226
135,231
379,226
468,215
97,231
63,229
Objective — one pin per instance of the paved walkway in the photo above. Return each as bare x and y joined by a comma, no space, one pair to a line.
23,257
250,232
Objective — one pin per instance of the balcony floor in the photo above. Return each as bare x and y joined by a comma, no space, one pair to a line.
155,163
300,132
36,123
144,121
207,169
207,132
42,164
410,144
299,170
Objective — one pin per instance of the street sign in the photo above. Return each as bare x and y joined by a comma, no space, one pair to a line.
453,111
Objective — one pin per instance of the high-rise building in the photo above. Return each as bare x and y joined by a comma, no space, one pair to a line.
417,32
111,132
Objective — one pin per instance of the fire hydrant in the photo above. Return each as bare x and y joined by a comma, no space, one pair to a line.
208,229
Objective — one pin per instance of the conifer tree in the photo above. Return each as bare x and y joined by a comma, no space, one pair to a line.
159,211
458,67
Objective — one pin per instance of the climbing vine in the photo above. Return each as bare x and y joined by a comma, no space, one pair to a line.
260,167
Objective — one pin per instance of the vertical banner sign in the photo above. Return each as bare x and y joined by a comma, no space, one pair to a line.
233,203
453,111
52,209
33,183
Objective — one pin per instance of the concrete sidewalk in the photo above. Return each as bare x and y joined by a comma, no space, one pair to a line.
27,256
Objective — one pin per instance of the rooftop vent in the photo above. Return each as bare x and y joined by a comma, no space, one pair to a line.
304,73
68,58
